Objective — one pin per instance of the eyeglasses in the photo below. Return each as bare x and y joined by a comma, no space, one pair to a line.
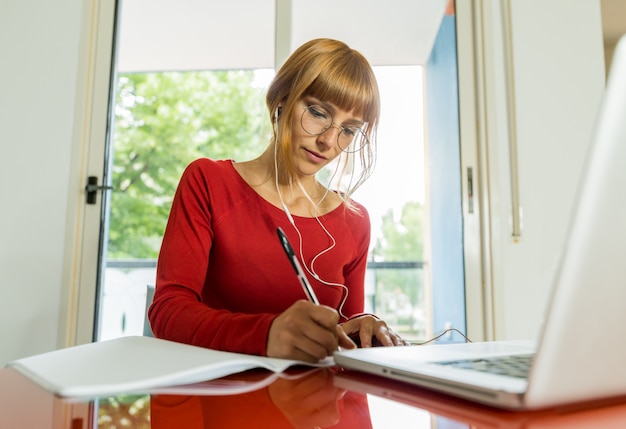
316,120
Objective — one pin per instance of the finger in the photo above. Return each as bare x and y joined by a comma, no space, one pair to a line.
344,339
296,334
303,348
397,339
351,328
404,342
322,338
298,352
366,333
306,336
325,316
383,336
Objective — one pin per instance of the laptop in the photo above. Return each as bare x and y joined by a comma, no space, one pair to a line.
448,412
581,352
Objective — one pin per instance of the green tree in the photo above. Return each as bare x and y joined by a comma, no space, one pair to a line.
163,121
402,241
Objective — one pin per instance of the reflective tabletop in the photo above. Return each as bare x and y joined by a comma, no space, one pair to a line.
299,398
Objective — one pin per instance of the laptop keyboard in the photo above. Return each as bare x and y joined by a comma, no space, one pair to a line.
513,366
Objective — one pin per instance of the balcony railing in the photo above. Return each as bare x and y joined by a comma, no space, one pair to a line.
394,291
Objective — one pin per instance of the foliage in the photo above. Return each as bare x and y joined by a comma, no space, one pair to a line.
163,121
124,411
402,240
399,292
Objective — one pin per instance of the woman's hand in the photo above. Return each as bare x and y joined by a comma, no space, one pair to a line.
306,332
368,330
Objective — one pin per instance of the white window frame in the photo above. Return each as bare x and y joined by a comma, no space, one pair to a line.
81,279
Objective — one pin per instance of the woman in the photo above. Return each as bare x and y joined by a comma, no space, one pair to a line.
223,280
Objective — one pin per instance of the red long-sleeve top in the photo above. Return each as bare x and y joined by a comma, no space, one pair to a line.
222,274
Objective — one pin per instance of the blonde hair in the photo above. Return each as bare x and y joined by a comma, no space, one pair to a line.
331,71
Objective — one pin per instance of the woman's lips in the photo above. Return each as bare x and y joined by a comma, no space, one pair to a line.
315,157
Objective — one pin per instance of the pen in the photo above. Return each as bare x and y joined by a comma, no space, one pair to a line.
308,290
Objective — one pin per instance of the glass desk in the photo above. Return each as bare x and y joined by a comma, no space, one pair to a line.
321,398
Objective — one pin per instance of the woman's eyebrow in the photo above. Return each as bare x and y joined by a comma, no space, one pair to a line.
356,121
326,105
333,110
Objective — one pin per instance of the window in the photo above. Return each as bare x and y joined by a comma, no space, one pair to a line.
395,198
163,121
399,282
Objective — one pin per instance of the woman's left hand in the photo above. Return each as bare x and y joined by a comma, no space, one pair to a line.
367,330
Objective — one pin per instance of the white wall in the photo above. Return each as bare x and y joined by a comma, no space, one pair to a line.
153,32
559,79
39,45
393,32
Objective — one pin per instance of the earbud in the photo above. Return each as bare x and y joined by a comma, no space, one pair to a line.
276,113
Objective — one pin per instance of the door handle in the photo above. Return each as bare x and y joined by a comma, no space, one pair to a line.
92,189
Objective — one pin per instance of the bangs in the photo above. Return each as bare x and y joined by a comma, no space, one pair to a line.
350,88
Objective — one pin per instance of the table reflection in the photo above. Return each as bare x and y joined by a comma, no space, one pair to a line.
124,411
446,412
305,399
321,398
331,398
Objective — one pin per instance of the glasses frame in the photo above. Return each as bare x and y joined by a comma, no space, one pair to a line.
362,135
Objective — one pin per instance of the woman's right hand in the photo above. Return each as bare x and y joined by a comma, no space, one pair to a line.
306,332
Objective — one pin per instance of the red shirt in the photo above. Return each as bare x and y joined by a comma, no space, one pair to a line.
222,274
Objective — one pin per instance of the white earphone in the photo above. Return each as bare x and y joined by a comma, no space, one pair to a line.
310,269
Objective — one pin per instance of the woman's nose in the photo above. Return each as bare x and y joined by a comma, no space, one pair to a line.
330,137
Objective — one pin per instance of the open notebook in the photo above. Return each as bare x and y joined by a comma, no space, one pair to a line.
141,365
582,350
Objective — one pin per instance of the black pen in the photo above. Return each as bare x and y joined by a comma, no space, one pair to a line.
295,263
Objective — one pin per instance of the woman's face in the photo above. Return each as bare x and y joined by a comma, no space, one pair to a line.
319,144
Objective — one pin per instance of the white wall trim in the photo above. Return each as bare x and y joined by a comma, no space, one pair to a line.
78,295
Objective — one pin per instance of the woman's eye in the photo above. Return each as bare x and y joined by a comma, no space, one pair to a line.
350,131
317,112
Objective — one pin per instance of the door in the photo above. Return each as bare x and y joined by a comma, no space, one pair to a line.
122,262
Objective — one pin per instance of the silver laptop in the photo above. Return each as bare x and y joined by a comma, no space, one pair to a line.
581,353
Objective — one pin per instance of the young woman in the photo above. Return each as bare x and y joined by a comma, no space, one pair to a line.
223,279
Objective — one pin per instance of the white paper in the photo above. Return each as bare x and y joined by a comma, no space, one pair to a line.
138,364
